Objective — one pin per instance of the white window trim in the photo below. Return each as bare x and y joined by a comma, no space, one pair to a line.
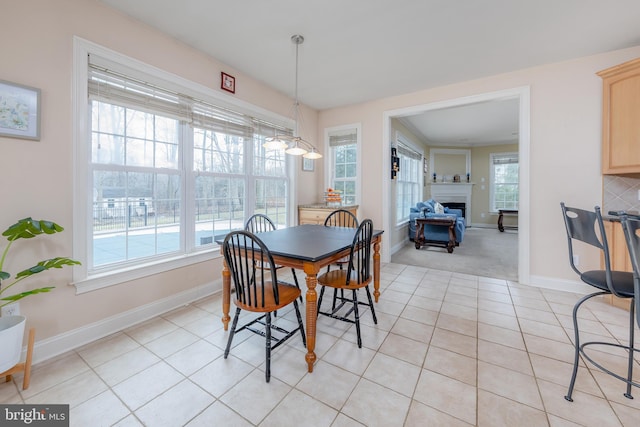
81,155
328,171
405,141
492,178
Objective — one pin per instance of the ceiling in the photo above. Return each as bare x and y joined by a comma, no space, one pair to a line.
360,50
492,122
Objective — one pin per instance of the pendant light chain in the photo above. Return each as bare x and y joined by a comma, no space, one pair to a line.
297,40
294,144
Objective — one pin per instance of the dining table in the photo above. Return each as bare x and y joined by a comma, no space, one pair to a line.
308,248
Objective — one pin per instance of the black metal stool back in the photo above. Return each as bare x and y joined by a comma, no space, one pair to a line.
581,225
588,227
631,229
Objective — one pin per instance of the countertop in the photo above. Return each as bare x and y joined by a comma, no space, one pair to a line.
615,215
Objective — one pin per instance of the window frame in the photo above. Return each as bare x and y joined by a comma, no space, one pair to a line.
492,183
329,165
84,279
401,139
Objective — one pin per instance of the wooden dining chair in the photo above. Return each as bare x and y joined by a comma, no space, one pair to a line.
355,276
588,227
340,218
260,223
258,290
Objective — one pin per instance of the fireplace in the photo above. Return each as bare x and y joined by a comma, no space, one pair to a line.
452,194
457,205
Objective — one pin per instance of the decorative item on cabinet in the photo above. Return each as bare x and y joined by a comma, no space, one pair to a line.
395,163
468,177
435,177
333,197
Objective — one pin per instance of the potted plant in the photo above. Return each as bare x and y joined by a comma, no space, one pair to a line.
12,327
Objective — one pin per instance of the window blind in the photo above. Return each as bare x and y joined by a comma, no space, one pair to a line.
346,139
505,159
408,152
113,87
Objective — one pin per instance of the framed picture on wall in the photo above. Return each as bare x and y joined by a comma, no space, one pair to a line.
307,165
227,82
19,111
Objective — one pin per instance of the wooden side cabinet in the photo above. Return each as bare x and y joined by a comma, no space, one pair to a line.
316,214
619,257
621,118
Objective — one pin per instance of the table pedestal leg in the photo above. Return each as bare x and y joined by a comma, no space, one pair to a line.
226,294
376,270
312,313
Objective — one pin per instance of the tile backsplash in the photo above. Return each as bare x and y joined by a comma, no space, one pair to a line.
620,193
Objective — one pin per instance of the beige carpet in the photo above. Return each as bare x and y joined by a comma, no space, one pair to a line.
484,252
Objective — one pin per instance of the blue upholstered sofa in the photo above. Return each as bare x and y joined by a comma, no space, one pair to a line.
427,209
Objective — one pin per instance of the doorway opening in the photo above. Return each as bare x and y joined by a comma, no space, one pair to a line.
396,238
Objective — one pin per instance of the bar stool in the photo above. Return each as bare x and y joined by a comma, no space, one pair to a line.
581,225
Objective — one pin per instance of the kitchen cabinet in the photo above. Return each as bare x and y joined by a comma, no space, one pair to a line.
621,118
316,214
619,258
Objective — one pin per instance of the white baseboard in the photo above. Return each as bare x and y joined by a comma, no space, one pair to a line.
399,246
560,284
483,225
59,344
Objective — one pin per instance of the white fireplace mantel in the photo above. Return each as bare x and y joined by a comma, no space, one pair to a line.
444,192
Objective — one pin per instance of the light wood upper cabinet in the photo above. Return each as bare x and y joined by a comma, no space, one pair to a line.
621,118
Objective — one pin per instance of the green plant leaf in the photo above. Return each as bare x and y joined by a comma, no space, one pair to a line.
16,297
4,275
28,228
57,262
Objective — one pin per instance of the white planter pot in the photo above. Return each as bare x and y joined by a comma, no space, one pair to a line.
11,334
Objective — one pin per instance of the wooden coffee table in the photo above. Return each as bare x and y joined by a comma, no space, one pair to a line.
421,239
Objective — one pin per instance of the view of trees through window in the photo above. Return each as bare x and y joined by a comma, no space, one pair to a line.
504,181
145,199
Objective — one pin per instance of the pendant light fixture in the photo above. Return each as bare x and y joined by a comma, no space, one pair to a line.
294,144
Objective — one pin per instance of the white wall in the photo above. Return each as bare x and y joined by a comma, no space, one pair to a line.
565,140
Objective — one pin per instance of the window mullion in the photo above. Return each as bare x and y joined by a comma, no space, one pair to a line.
249,178
187,180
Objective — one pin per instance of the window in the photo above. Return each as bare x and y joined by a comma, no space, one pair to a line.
504,181
166,172
409,180
343,146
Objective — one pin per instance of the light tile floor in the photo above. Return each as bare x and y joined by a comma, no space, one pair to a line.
448,350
